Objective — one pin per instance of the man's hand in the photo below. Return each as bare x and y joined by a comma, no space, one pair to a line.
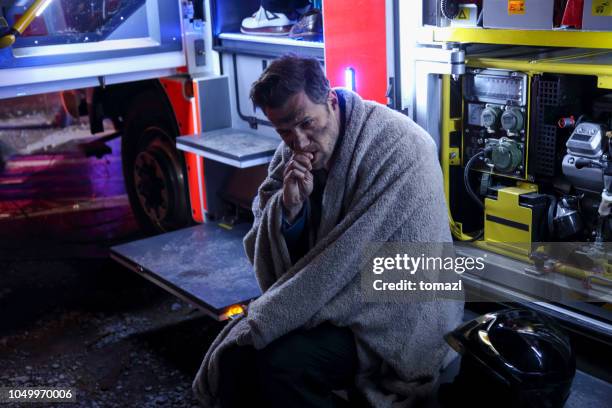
297,184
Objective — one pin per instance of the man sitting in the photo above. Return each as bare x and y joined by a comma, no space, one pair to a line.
349,174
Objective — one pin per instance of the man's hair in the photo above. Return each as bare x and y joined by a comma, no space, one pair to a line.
288,76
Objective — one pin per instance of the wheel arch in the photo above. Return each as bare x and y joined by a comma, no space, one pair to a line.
114,102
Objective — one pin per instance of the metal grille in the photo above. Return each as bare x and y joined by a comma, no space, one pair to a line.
545,134
545,149
548,93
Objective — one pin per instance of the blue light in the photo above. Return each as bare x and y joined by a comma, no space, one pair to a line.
349,78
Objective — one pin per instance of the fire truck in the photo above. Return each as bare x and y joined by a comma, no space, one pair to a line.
167,73
516,94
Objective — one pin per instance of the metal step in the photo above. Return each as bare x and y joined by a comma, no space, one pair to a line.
589,392
237,148
204,265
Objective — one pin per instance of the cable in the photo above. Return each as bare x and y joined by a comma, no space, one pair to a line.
468,187
476,237
466,179
253,121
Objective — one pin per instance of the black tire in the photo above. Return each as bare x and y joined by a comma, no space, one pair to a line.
153,169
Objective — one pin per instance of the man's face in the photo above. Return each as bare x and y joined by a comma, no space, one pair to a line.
306,126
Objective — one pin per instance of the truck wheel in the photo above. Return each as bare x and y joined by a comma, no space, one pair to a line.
153,169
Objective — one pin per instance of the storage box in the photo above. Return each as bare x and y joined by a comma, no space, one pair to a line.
518,14
597,15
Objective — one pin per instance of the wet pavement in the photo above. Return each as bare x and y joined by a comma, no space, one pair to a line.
70,316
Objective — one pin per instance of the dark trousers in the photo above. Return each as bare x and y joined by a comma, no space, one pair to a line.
300,369
283,6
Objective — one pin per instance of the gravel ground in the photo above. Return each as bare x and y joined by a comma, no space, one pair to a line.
96,327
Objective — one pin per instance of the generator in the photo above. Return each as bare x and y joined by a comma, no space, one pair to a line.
533,130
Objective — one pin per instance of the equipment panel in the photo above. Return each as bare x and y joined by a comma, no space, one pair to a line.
531,135
495,108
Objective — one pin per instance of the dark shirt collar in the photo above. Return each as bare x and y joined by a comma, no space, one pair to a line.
342,108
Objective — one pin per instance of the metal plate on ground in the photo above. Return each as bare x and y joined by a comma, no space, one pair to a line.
204,265
589,392
238,148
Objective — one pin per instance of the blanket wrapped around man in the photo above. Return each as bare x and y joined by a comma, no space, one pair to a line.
384,185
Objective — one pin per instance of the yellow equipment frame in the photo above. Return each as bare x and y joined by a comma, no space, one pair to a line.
579,62
537,38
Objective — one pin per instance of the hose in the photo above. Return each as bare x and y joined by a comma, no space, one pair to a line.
466,179
476,237
468,188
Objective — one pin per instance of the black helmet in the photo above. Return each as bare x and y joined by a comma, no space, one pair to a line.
512,358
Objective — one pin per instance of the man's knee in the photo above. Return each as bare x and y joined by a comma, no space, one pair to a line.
325,351
285,355
237,377
235,358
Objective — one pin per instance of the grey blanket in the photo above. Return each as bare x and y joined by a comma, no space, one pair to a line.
385,184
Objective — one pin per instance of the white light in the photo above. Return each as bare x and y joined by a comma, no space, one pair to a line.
484,337
349,78
43,7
